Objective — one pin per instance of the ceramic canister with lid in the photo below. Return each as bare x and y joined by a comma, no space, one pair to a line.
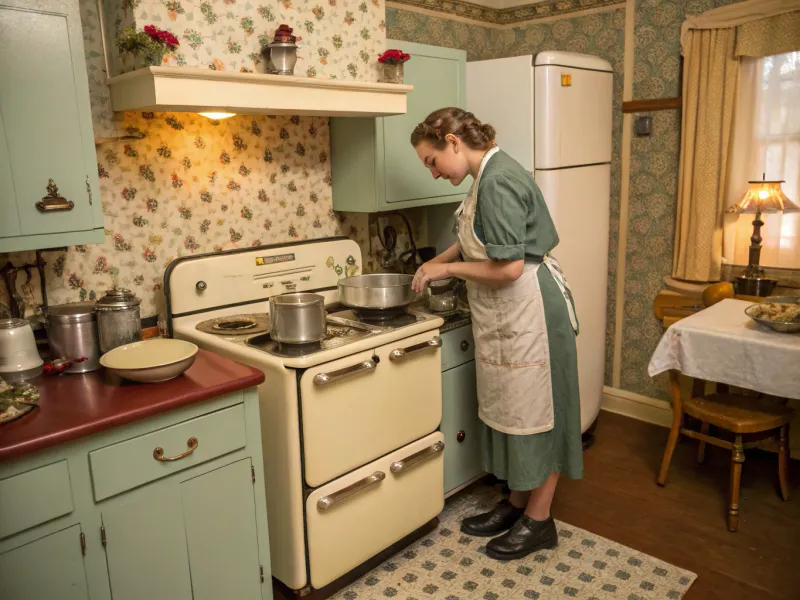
72,331
19,358
118,319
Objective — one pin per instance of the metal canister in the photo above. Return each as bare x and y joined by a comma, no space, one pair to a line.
118,319
72,331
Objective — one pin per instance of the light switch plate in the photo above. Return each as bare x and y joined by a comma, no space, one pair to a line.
643,126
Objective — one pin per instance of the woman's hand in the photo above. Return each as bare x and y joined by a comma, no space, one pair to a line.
430,271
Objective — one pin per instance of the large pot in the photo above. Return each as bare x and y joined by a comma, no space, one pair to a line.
379,291
297,318
72,331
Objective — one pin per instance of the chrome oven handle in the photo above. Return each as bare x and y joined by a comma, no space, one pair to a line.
362,367
325,502
401,353
416,458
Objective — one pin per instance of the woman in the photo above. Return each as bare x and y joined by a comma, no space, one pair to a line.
524,324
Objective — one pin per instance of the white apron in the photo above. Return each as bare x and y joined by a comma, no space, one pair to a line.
515,394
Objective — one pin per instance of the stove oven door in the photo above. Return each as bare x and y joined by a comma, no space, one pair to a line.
359,515
356,409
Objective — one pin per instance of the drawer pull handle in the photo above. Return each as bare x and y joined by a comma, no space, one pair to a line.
192,444
362,367
464,345
461,435
326,502
416,458
401,353
54,202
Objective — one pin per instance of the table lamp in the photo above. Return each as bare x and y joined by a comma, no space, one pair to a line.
762,197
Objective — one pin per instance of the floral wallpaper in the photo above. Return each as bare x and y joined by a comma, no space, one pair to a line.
337,38
193,185
601,34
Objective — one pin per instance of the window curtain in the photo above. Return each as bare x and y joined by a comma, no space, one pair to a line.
710,87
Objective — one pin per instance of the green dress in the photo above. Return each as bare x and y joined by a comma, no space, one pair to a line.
513,222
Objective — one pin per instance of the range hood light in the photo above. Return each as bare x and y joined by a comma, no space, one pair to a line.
217,116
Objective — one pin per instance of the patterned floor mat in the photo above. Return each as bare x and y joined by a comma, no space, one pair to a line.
448,565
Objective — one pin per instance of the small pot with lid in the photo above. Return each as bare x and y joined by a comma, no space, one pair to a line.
118,319
72,331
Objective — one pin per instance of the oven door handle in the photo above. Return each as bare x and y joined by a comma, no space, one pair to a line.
362,367
401,353
325,502
416,458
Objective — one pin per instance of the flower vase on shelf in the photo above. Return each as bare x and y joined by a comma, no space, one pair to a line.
153,59
393,73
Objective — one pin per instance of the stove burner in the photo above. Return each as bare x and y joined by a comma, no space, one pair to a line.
377,314
235,325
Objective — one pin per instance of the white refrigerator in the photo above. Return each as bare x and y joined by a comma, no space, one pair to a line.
552,113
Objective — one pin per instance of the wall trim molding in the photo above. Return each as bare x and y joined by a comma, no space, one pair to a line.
507,18
637,406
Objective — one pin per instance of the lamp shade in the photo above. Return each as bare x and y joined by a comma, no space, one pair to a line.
765,197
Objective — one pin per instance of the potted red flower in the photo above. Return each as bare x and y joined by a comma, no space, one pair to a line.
152,43
392,62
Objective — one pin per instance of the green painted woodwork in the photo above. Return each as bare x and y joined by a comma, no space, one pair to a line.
45,569
193,533
47,496
46,127
458,347
216,433
373,165
219,513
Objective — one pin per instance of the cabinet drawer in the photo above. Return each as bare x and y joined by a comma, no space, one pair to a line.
34,497
131,463
461,427
458,347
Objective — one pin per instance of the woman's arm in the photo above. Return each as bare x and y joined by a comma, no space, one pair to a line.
494,273
449,255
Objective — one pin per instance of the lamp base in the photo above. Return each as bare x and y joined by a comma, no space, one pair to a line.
754,286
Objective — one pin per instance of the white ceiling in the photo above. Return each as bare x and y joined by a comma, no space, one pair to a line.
503,3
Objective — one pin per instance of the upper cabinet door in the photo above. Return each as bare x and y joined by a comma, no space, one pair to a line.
46,126
438,76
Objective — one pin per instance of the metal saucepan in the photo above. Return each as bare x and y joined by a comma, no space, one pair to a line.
297,318
379,291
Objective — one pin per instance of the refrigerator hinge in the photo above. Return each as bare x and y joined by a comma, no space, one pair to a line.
261,569
83,544
253,473
103,535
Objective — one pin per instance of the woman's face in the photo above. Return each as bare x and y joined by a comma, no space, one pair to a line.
448,163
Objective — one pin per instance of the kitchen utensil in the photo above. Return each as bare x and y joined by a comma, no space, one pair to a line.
19,358
15,302
443,295
150,361
72,331
60,365
297,318
118,319
378,291
754,311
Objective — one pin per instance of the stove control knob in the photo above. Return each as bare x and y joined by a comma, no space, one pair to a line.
201,286
464,346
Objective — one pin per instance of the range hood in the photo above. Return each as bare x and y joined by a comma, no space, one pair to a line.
186,89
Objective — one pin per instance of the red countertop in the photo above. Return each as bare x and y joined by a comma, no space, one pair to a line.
74,406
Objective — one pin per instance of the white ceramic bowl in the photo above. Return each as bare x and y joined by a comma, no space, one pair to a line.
150,361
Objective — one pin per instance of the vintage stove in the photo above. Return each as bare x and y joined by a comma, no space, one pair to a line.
352,455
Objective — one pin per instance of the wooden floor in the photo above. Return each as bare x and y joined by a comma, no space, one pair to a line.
684,522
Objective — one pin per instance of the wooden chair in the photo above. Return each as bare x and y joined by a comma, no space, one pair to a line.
751,420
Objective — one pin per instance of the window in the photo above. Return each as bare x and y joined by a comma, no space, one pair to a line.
766,141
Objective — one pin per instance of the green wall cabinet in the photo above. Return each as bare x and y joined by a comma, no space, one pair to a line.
45,128
373,165
196,532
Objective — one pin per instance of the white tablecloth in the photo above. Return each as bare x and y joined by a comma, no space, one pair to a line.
723,344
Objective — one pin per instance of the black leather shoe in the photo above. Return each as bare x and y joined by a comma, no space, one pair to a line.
497,520
525,537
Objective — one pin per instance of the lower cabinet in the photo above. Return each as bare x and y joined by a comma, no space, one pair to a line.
50,567
195,539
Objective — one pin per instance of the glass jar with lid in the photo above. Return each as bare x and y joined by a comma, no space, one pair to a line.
118,319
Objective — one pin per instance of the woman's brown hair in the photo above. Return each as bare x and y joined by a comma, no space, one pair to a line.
462,124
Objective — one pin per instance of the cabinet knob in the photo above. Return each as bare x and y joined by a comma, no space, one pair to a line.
464,346
201,286
461,435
